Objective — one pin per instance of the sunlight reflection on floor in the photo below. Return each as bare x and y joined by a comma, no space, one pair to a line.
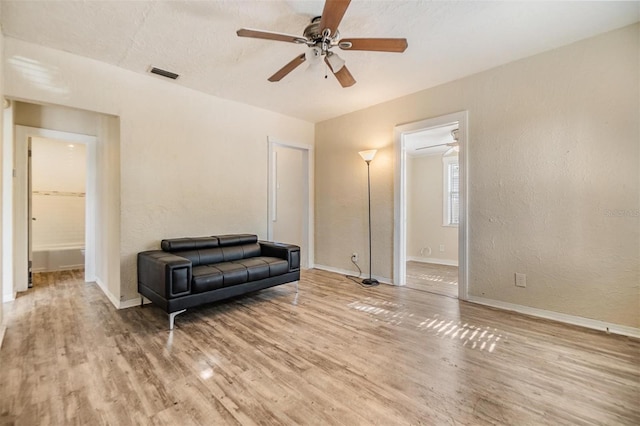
435,278
471,336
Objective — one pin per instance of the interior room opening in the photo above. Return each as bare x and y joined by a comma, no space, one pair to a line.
432,209
58,204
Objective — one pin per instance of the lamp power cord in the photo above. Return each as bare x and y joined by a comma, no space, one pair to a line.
358,279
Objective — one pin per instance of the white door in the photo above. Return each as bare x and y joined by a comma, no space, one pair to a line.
289,194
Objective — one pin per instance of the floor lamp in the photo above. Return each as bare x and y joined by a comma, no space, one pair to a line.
367,156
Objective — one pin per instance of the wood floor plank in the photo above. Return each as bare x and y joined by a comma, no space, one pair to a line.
334,353
431,277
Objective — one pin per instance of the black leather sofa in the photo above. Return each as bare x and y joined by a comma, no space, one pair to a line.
188,272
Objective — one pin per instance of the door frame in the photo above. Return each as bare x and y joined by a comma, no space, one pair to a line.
307,255
20,255
400,197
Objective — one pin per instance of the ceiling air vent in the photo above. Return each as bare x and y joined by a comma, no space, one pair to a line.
164,73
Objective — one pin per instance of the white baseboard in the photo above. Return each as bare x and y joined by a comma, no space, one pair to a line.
120,304
114,300
383,280
557,316
433,260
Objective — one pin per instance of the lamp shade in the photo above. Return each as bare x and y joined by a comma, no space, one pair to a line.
313,54
368,155
335,62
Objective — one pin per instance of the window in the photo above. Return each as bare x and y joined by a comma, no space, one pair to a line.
451,194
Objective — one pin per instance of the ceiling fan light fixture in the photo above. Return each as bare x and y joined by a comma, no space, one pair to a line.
323,33
313,54
335,62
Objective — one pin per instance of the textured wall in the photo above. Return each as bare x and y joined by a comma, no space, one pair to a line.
56,118
190,164
425,196
553,171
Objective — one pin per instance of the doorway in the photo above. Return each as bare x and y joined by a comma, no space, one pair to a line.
57,186
431,206
290,199
22,218
432,209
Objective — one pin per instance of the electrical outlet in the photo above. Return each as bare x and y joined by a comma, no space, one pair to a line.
442,248
521,280
354,257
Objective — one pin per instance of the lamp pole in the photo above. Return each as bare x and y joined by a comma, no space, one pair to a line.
369,281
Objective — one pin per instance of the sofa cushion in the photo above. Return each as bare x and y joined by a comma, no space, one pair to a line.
250,250
180,244
257,268
192,255
232,273
232,253
206,278
211,255
277,266
236,239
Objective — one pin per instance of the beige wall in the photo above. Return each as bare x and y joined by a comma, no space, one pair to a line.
190,164
56,118
553,171
425,198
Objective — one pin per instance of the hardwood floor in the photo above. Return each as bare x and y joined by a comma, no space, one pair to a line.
335,353
439,279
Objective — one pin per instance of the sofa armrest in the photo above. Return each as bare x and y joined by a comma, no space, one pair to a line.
164,273
288,252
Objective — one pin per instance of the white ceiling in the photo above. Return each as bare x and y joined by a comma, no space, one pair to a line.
197,39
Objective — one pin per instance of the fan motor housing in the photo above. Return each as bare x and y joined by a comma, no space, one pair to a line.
312,31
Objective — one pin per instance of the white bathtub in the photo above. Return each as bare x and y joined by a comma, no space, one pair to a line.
49,259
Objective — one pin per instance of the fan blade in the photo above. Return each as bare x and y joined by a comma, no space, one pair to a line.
345,78
282,72
332,14
398,45
449,144
343,75
269,35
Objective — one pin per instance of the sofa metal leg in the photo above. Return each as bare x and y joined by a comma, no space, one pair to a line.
141,301
172,317
296,286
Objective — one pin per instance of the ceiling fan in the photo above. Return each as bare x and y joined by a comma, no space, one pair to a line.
321,35
454,145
